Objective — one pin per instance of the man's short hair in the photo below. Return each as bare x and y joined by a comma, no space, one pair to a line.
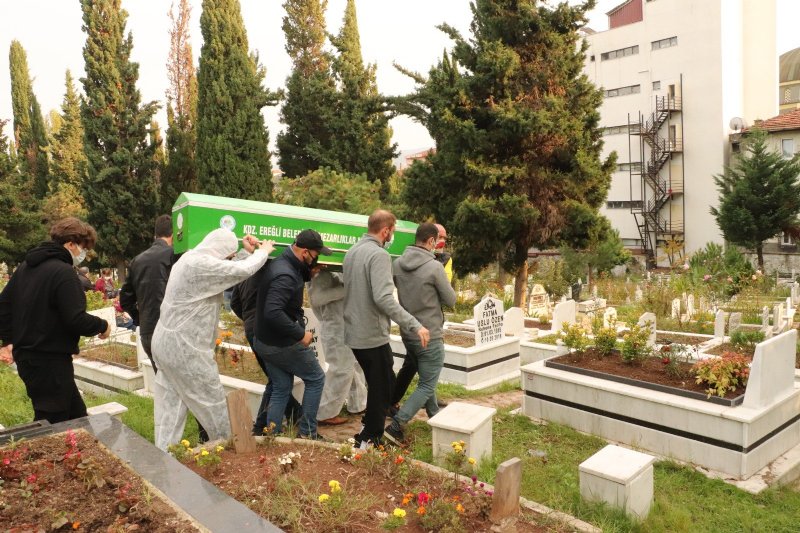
426,231
71,229
380,219
163,226
84,270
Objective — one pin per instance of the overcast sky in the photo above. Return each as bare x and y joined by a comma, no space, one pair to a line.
391,31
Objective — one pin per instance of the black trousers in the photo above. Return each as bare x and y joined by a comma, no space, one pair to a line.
404,378
50,384
377,366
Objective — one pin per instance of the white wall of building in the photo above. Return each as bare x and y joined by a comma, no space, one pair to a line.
726,61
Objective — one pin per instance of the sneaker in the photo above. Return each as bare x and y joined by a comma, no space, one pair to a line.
315,436
392,410
441,403
394,433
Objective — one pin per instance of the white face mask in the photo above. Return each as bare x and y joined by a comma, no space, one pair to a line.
78,259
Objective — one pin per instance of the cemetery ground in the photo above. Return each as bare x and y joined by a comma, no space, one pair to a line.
685,500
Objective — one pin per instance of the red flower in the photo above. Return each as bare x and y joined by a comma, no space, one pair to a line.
423,498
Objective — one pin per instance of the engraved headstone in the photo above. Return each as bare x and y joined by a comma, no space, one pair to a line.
488,320
538,301
313,325
765,317
514,322
719,324
649,320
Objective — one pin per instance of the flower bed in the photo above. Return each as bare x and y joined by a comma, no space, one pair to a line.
70,481
319,488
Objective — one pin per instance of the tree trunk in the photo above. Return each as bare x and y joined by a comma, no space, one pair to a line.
760,254
501,274
521,285
121,271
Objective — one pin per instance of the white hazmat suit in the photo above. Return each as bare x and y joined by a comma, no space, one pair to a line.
183,341
344,379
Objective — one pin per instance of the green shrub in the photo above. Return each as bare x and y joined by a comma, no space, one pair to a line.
746,340
724,373
605,340
634,344
95,300
574,337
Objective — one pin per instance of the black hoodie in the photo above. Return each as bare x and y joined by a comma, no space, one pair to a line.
43,307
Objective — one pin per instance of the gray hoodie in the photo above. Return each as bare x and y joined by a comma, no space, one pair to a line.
369,300
423,289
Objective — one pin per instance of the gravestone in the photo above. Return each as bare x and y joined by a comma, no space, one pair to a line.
772,371
676,308
777,318
796,293
507,484
538,302
719,324
638,295
610,317
648,275
241,422
564,313
514,322
508,292
765,317
702,304
313,325
684,299
735,322
594,291
789,306
690,306
648,320
488,321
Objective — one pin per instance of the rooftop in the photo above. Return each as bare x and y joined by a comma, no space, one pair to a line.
787,121
790,66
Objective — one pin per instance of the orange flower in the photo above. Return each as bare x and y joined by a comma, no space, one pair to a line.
460,508
218,342
406,500
398,460
356,457
421,511
76,524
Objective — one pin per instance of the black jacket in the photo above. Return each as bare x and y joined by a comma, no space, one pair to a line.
243,300
279,311
43,307
143,291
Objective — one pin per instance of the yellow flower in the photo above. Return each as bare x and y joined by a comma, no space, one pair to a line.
219,448
457,448
204,453
334,485
399,513
323,498
460,508
471,460
185,443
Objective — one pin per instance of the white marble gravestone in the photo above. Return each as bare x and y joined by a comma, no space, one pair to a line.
765,317
690,306
649,320
734,323
564,313
676,308
719,324
488,316
514,322
538,301
610,317
313,325
772,372
638,295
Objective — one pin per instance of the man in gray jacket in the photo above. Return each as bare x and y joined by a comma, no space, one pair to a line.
423,289
369,303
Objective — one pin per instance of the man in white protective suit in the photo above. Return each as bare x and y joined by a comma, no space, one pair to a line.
183,341
344,379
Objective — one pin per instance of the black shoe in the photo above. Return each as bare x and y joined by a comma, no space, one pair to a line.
363,444
315,436
394,433
392,410
441,403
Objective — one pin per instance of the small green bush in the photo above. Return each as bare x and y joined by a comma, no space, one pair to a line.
746,340
724,373
574,337
605,340
634,344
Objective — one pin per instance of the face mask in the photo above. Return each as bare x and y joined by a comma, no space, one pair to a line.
78,259
388,243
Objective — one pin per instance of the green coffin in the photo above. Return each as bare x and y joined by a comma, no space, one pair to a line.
195,215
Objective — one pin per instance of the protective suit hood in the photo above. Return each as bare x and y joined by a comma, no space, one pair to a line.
414,257
220,243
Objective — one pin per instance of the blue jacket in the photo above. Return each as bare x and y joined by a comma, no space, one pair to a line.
279,307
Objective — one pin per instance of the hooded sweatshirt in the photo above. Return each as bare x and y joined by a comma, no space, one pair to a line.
423,289
43,307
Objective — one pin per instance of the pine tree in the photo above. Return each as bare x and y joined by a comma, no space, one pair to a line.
120,190
363,138
29,130
311,98
68,160
180,173
335,191
759,196
517,160
232,141
21,225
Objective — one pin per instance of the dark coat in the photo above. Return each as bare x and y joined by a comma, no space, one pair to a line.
43,307
143,291
279,313
243,300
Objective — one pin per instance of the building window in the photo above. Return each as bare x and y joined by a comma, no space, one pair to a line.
620,130
625,167
622,91
665,43
787,147
624,204
622,52
787,240
789,94
656,85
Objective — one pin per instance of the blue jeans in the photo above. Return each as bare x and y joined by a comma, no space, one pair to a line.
293,409
429,366
283,364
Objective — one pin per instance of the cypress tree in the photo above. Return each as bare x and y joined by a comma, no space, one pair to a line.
518,161
120,189
307,142
21,225
232,141
29,130
363,138
68,160
180,173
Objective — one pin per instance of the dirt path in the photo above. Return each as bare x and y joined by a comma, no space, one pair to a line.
347,430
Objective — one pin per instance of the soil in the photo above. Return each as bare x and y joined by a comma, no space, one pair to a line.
371,483
670,338
463,340
652,370
47,488
121,355
240,364
728,347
